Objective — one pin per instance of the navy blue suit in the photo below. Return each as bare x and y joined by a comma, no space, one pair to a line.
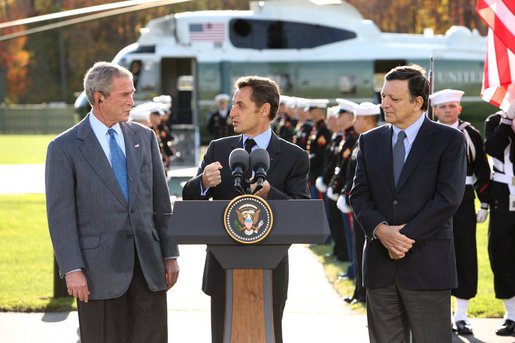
429,191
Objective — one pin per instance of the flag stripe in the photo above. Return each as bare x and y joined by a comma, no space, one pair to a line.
207,32
499,74
500,18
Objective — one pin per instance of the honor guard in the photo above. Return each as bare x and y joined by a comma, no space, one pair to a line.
318,139
304,124
343,116
366,116
447,108
140,115
499,143
338,181
163,137
281,113
220,123
286,126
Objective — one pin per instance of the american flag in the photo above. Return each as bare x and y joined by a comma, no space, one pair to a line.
207,32
499,76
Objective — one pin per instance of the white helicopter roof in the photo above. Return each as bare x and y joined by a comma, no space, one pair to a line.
171,35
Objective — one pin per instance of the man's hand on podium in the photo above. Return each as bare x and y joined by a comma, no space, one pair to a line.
211,176
263,192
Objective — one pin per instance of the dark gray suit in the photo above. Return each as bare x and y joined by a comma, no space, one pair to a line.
429,191
91,225
288,178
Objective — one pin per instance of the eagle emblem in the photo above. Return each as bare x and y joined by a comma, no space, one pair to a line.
248,219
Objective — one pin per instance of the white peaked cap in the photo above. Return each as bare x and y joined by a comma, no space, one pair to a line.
301,102
317,103
284,99
446,95
346,105
222,97
139,113
333,111
163,99
367,109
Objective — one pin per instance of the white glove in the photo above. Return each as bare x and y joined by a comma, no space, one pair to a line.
342,204
320,185
331,195
482,213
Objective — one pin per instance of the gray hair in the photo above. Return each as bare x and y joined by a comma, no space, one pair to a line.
99,78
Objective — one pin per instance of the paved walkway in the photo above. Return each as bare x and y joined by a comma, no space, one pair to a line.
314,311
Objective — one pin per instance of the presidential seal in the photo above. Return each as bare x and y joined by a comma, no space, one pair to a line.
248,219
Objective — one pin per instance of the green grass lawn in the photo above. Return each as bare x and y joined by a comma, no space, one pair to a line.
24,149
26,256
483,305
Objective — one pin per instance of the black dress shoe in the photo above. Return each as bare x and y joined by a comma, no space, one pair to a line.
348,299
357,301
463,327
507,328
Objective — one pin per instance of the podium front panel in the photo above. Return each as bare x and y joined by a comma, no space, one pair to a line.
295,221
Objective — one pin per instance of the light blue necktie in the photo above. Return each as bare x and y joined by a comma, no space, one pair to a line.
119,164
399,152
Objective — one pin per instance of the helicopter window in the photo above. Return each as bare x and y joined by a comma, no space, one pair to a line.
143,75
268,34
241,27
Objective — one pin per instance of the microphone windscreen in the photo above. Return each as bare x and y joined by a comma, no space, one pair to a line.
259,158
239,158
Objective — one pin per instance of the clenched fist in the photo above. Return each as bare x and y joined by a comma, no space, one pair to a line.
211,176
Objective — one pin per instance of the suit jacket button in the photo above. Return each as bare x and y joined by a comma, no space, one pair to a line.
129,236
395,202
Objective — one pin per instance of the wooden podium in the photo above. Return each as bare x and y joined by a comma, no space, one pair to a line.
248,313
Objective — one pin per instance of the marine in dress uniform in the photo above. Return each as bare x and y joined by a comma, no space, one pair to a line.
338,180
287,122
317,141
163,137
366,116
344,114
304,127
220,123
499,143
447,108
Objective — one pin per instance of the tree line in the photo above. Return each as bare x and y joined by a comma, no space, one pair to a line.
32,64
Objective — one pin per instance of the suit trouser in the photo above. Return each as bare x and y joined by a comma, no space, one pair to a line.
358,241
337,231
394,311
501,241
217,320
138,316
464,228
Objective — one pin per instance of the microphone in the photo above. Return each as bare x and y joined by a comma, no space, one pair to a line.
239,163
259,163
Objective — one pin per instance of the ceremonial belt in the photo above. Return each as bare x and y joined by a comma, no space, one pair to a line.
502,178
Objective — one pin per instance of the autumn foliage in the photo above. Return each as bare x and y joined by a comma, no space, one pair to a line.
34,72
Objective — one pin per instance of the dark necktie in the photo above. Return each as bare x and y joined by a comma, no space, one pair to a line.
398,156
249,143
119,164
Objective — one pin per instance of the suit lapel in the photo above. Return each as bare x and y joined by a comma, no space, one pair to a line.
384,153
134,155
93,153
237,143
423,142
274,150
